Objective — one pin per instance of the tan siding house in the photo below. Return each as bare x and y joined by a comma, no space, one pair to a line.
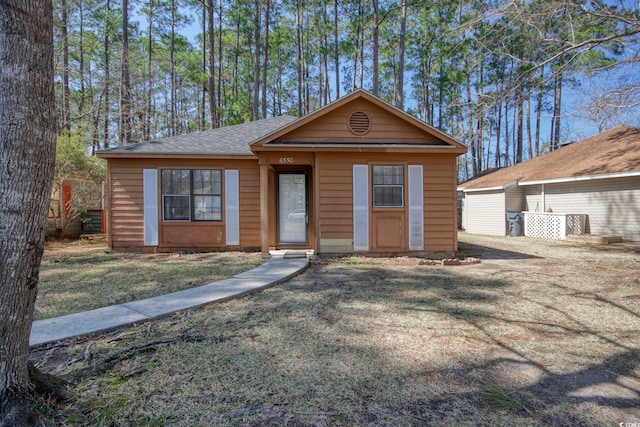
597,178
355,176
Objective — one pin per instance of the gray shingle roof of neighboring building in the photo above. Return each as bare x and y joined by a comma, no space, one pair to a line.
228,140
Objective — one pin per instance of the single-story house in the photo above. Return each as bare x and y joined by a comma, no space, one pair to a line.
594,183
356,176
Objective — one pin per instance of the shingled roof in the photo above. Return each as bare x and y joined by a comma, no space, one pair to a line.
613,152
225,141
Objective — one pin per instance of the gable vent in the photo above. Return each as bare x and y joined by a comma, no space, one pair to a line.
359,123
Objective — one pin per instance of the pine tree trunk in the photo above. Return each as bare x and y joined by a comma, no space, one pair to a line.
213,122
81,61
539,113
519,125
125,86
403,36
528,121
376,43
203,105
255,96
146,127
65,93
498,162
27,151
299,59
557,99
107,77
336,47
265,60
172,71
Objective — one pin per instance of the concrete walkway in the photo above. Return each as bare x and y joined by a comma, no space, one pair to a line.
281,267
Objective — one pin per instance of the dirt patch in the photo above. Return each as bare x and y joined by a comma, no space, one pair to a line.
538,333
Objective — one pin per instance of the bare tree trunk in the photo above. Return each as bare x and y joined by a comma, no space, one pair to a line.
506,132
361,57
557,99
498,162
219,89
324,84
172,72
403,36
528,121
336,47
255,111
125,86
203,105
355,64
539,112
299,58
27,138
212,75
476,154
81,59
146,127
440,98
65,93
107,75
519,125
376,42
265,60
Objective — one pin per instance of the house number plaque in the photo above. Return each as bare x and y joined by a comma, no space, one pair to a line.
286,160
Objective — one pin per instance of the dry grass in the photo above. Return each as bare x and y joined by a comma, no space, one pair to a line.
539,333
80,275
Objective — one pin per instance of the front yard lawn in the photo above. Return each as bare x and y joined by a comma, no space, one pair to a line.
538,333
83,275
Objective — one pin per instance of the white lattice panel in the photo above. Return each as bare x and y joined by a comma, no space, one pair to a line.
542,226
553,226
576,223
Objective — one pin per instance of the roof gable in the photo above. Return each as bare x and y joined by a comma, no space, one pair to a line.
376,125
358,119
616,151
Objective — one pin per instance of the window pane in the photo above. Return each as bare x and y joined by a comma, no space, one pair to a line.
176,208
207,208
175,181
387,196
388,175
207,182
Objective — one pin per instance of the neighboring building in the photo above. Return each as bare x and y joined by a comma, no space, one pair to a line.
64,218
357,175
597,178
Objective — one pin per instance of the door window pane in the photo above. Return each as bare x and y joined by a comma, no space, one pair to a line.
387,196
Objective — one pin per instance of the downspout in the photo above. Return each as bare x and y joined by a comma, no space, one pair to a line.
542,194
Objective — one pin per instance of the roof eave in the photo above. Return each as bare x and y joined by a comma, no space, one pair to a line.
493,188
581,178
362,148
120,155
